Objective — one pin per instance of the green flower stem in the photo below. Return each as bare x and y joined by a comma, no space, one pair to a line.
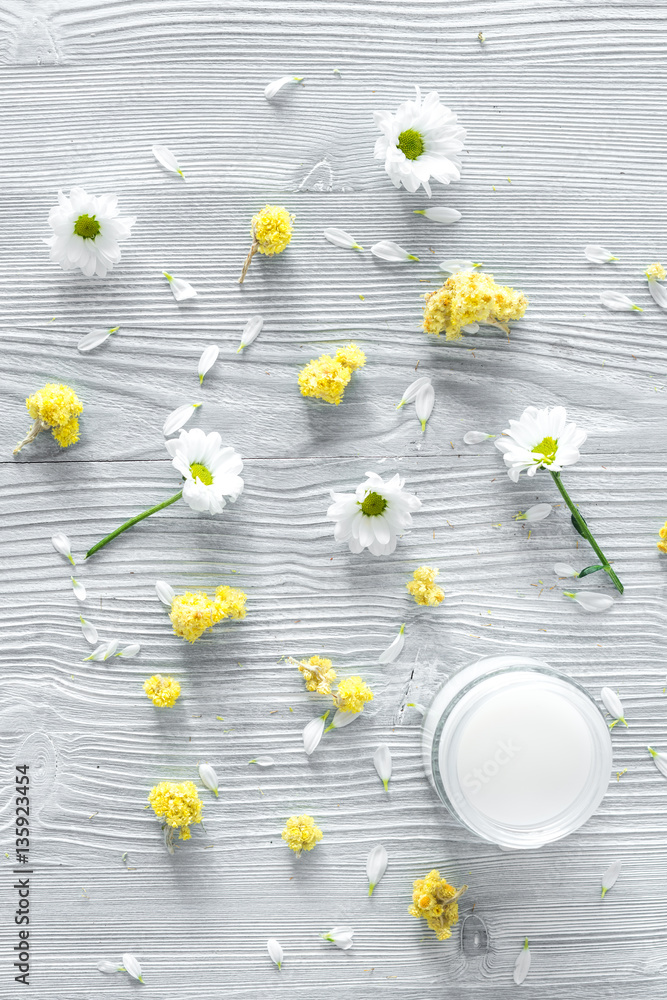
585,531
133,520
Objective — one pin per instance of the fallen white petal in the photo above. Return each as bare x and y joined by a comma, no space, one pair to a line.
376,865
591,600
394,649
454,266
658,293
207,360
564,569
476,437
471,328
618,302
340,936
104,651
178,418
342,719
132,966
79,589
382,761
412,390
388,250
340,238
598,255
262,761
62,545
165,156
95,339
424,404
272,88
89,631
610,876
129,651
209,778
522,964
275,951
180,289
660,761
612,703
536,513
444,215
312,733
251,331
109,968
165,592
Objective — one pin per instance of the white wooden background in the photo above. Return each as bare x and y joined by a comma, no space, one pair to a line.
566,146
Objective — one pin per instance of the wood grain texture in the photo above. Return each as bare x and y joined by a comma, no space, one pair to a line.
563,150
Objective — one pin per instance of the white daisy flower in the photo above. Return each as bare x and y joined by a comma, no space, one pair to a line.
444,215
598,255
422,140
87,231
540,439
618,302
373,515
388,250
211,472
180,288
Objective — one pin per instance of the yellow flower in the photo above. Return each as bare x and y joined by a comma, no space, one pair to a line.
423,587
192,613
352,694
662,544
470,297
56,408
326,377
655,272
178,804
163,691
435,901
301,834
318,674
271,231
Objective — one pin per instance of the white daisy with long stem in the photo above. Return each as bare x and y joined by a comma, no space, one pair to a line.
543,439
86,232
374,515
421,141
210,473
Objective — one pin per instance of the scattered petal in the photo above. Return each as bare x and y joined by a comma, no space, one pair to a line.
444,215
618,302
313,732
129,651
613,704
275,951
471,328
376,865
95,339
251,331
340,238
598,255
476,437
610,876
209,778
564,569
207,360
79,589
340,936
178,418
166,158
394,649
658,293
262,761
132,966
591,600
61,544
455,265
412,390
424,404
180,289
164,592
660,761
536,513
272,89
109,968
89,631
104,651
382,761
522,964
388,250
342,719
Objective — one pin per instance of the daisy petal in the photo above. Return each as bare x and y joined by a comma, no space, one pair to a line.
166,158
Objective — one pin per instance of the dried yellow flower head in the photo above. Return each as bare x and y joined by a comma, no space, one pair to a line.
301,834
177,804
326,377
662,544
423,587
471,297
162,691
192,613
655,272
435,901
271,231
352,694
318,674
55,407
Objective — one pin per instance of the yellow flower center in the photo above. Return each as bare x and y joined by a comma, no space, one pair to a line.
373,505
201,472
547,448
411,144
87,226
